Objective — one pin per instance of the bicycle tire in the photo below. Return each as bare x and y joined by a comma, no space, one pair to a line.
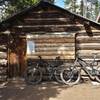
33,76
70,77
98,75
58,76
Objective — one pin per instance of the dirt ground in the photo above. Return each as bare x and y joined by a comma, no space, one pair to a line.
18,90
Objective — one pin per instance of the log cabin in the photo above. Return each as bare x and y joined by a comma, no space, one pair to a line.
49,31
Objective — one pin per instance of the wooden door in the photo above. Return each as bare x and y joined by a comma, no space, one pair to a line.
18,46
21,54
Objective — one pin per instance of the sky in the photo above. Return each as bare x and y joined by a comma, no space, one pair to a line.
59,3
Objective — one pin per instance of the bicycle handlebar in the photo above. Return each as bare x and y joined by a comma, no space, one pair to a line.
56,58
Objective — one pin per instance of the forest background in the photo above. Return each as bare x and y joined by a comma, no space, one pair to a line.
86,8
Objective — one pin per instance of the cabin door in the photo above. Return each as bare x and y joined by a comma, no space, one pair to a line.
21,55
17,57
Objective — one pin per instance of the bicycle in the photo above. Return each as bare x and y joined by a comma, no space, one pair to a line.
34,73
53,69
72,74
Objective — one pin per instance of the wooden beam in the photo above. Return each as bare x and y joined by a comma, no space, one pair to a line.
33,26
46,15
55,49
47,19
48,28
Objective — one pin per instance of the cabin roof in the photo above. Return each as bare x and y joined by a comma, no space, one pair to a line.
7,22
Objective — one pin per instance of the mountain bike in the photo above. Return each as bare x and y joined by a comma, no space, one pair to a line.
33,74
53,69
35,71
72,74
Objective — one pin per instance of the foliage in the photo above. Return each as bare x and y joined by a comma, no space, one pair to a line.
9,7
86,8
71,5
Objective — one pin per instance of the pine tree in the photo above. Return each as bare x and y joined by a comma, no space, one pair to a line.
9,7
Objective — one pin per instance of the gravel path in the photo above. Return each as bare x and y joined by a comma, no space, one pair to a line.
18,90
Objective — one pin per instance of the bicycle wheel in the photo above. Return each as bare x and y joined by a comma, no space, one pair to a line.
57,76
70,76
33,76
98,74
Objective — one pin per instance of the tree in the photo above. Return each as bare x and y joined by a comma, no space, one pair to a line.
87,8
9,7
71,5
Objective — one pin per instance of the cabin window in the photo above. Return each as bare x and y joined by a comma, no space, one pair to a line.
30,47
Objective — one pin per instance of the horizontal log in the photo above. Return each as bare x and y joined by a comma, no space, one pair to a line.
51,57
95,30
3,62
54,53
2,67
49,35
88,40
59,35
3,50
3,55
88,46
3,77
50,10
54,49
3,46
88,52
87,37
48,29
3,71
48,22
89,57
64,25
3,41
50,32
46,19
55,41
85,34
54,14
55,45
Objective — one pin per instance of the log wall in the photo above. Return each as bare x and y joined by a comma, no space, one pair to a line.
3,57
82,37
51,46
46,20
87,45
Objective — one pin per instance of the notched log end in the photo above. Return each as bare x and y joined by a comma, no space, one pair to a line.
88,28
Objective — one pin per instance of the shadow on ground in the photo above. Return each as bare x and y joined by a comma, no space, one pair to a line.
21,91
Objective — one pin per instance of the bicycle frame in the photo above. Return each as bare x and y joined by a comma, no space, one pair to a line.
50,67
83,65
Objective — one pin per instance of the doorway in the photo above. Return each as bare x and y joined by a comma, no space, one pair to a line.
17,52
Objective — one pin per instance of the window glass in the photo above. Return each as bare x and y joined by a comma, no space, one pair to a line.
30,47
